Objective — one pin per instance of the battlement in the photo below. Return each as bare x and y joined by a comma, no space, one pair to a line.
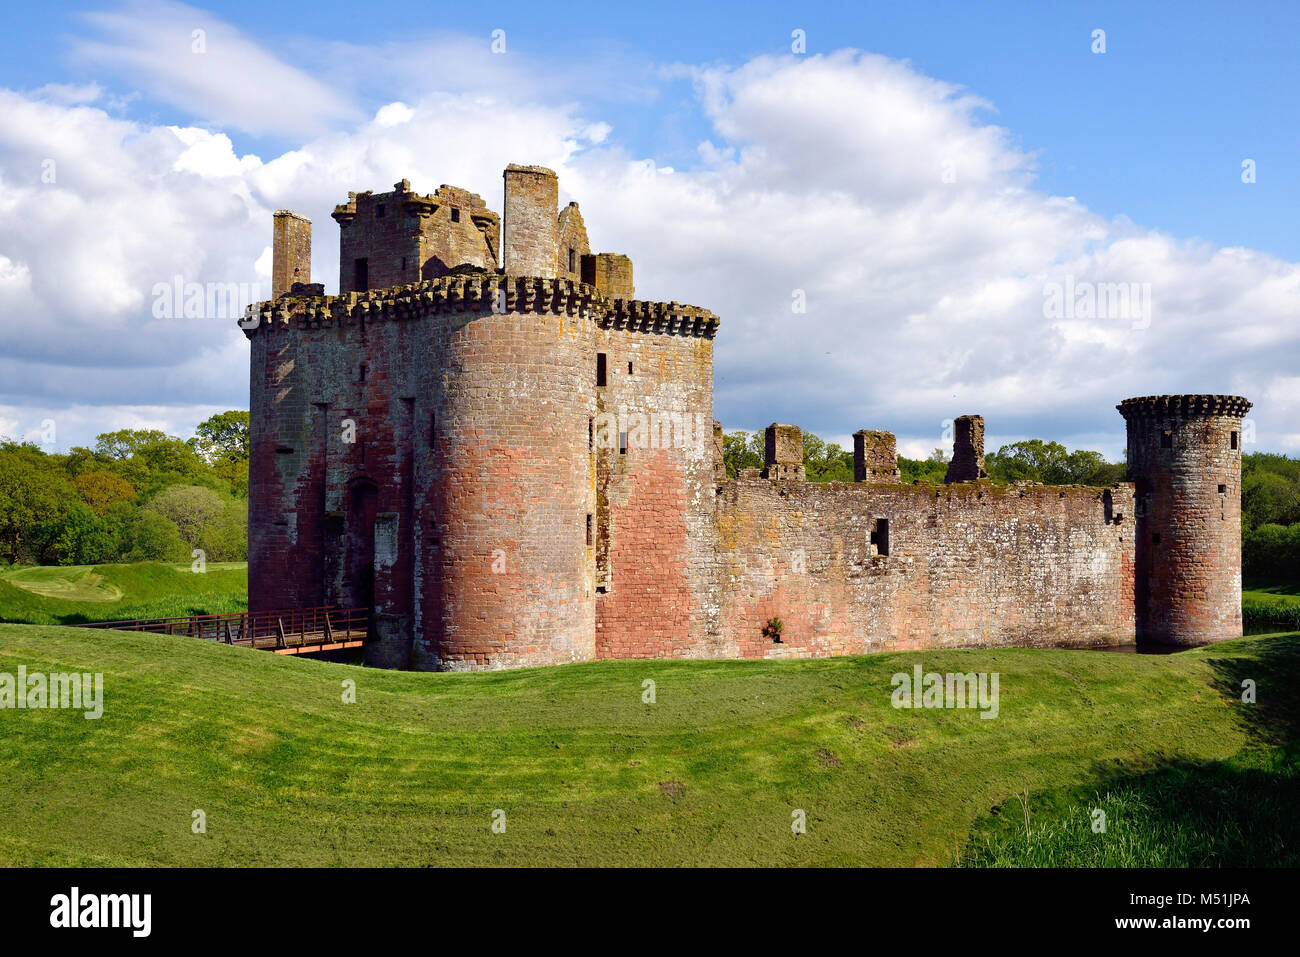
475,291
1179,406
402,237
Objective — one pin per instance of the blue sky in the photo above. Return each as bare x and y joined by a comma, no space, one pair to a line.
1155,129
1147,138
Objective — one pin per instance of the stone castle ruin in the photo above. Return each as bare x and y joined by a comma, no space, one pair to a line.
517,464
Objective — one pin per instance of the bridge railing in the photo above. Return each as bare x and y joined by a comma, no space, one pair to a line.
280,628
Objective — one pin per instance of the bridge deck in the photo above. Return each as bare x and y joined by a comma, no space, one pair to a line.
293,631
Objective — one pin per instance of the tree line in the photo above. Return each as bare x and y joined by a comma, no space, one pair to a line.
138,495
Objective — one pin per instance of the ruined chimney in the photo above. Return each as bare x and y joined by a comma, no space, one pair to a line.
967,463
783,453
611,273
875,457
290,252
531,222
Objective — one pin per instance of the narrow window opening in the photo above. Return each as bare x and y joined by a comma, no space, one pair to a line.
1155,538
629,368
361,275
591,537
433,429
379,211
591,434
880,536
403,264
455,215
622,443
1234,440
1222,488
363,372
283,450
602,589
1167,439
600,370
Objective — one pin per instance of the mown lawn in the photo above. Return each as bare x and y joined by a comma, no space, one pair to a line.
43,594
585,772
1271,603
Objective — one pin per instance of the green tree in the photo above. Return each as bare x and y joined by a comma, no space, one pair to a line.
83,538
1034,460
140,535
223,437
192,508
742,450
100,489
33,498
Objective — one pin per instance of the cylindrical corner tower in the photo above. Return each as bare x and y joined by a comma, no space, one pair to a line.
509,580
1184,455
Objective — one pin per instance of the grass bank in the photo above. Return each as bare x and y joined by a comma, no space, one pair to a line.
53,595
585,771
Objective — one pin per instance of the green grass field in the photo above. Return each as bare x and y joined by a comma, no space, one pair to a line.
54,595
585,772
1265,603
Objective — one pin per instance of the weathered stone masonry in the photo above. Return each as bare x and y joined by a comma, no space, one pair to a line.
518,465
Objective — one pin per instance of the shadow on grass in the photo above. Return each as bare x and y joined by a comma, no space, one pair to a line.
1274,587
1273,666
1237,813
1234,813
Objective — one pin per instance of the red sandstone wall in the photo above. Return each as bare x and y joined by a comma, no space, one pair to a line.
472,428
1189,508
510,581
969,564
656,501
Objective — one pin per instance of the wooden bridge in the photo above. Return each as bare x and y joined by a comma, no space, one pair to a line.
292,631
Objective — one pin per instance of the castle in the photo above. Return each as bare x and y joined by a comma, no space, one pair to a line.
518,465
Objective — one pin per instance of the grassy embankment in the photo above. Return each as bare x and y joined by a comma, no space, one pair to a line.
62,595
287,773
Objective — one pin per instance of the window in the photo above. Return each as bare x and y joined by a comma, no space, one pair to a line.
433,429
591,434
1223,489
573,259
600,370
629,368
379,211
403,264
591,539
1233,440
880,536
363,372
1155,538
455,215
361,275
1167,439
622,443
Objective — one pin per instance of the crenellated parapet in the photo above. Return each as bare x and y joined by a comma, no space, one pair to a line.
1178,406
474,292
670,318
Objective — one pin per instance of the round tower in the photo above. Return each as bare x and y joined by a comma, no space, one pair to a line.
1184,456
508,576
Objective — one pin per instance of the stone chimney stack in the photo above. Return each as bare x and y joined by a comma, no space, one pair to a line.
967,463
290,252
611,273
783,453
875,457
532,226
